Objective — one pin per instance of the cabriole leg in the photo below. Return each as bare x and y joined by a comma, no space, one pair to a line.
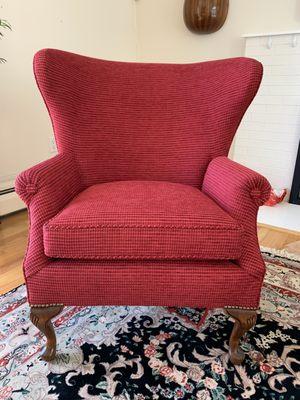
41,318
244,320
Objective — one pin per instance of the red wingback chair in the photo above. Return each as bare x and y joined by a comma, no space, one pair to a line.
141,206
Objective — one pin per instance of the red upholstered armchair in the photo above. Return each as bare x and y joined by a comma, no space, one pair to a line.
141,206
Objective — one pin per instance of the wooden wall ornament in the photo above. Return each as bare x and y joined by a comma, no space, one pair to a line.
205,16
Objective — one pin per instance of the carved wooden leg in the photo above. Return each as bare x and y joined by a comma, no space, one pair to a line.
244,320
41,318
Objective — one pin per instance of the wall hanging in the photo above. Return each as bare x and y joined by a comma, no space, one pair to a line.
205,16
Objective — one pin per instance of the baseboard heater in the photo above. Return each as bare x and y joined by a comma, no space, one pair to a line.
10,201
5,191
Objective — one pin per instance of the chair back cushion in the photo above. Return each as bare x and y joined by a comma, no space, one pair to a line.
144,121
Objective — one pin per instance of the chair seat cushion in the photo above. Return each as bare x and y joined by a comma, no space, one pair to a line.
142,220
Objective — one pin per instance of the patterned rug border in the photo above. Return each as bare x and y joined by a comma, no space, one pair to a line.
11,291
280,253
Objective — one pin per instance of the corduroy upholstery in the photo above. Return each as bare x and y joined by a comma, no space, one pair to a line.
143,145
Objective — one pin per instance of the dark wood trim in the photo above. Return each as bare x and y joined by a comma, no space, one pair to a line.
41,318
244,320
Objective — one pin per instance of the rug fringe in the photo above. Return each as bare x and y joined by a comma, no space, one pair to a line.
281,253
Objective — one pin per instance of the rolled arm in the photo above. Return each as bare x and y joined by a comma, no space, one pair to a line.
234,186
57,176
45,188
239,191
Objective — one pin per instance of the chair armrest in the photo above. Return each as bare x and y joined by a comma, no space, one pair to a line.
235,187
57,176
45,188
239,191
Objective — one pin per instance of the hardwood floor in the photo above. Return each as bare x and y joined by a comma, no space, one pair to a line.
13,239
276,238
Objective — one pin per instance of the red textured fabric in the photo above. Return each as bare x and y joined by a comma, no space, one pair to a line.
165,283
136,121
240,191
116,121
142,220
46,188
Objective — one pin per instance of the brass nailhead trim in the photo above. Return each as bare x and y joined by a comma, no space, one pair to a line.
46,305
61,304
241,308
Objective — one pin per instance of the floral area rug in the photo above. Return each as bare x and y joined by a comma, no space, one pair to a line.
139,353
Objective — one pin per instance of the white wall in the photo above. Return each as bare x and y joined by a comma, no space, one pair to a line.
147,30
162,35
268,137
100,28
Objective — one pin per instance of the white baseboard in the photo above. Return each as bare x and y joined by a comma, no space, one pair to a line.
283,215
9,203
